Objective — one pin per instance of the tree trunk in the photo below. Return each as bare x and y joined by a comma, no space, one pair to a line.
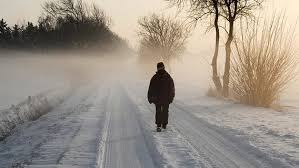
216,78
227,59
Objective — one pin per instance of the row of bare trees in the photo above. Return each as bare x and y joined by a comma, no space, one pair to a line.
63,24
224,13
263,61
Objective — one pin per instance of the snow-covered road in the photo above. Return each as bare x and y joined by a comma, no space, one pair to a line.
112,126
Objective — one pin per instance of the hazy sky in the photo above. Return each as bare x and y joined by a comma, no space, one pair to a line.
125,14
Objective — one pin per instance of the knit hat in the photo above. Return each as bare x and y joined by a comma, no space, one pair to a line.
160,66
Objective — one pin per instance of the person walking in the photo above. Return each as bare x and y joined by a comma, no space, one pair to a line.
161,92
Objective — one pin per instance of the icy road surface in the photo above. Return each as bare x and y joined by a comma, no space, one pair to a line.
112,126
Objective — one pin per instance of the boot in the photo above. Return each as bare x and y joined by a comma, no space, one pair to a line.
159,129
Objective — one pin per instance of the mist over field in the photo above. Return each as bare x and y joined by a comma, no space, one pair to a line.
75,77
25,74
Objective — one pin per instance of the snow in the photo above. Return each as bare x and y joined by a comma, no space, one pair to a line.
30,109
107,122
272,131
66,136
225,118
275,132
111,125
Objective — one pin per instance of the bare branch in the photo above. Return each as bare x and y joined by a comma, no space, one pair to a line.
163,36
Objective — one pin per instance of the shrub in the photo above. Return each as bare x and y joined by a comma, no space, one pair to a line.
264,63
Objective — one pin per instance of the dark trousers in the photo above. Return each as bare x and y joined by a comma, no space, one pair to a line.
162,114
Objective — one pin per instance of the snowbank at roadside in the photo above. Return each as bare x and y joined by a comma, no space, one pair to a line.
30,109
274,132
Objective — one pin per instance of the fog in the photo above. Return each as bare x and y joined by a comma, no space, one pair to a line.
24,74
91,94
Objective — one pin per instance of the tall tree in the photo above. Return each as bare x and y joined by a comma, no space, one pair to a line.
78,22
64,24
233,10
205,9
16,32
5,33
16,35
30,34
3,27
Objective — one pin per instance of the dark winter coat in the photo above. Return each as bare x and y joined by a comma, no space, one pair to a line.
161,89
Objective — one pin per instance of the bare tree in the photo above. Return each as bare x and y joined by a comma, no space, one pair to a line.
65,8
230,10
79,18
76,9
163,36
99,16
205,9
233,10
264,64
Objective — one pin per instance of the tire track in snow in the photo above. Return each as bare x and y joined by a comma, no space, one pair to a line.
212,145
65,137
126,144
175,150
218,145
65,148
104,135
180,141
83,149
